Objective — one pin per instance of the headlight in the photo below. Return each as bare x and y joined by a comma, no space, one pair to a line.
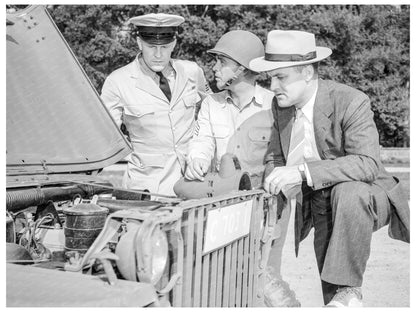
142,252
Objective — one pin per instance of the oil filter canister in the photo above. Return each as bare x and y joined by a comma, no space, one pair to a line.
83,224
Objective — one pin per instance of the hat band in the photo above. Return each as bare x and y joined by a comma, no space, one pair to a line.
289,57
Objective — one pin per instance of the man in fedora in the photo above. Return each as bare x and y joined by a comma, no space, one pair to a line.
238,120
155,98
324,159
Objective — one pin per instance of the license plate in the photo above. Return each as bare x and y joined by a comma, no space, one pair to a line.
226,224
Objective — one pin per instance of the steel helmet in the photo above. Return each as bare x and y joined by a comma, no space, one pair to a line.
239,45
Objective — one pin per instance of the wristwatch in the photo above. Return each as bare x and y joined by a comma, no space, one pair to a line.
301,169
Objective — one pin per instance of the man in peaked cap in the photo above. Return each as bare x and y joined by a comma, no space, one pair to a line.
324,157
155,98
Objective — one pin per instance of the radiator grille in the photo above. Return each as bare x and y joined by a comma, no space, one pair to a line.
225,277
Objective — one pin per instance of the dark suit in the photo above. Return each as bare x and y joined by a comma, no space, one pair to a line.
352,194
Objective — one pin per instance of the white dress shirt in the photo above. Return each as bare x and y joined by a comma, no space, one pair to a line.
311,150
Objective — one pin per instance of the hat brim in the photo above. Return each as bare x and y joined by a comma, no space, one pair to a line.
261,65
214,52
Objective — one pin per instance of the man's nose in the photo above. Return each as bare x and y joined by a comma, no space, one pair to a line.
158,52
216,66
274,84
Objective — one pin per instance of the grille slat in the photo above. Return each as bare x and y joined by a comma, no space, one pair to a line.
227,277
189,263
240,259
213,286
205,280
233,276
220,270
198,258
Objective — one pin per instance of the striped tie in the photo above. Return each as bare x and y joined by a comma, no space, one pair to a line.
296,156
297,141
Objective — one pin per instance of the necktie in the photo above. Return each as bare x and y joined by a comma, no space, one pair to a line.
297,141
164,85
295,157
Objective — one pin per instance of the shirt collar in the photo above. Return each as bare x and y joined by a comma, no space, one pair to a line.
258,98
307,109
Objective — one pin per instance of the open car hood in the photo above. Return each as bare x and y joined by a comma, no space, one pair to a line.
56,122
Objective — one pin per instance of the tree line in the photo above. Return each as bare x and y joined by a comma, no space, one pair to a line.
370,43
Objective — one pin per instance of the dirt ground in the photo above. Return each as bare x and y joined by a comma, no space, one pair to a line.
386,280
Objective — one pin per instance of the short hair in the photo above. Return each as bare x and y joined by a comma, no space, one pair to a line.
315,66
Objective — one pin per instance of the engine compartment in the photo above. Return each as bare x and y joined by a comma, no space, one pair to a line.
56,228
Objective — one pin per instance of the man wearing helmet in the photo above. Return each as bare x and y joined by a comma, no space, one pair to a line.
238,120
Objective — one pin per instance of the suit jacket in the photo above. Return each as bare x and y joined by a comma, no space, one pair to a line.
159,129
348,145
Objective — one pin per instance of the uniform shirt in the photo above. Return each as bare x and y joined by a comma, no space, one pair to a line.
159,129
223,127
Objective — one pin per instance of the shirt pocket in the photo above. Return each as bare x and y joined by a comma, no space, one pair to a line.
191,99
148,161
260,135
140,121
259,138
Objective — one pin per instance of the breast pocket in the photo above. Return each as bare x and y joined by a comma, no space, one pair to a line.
190,102
259,138
140,121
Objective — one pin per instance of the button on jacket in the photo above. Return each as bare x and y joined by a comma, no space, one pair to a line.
222,127
159,130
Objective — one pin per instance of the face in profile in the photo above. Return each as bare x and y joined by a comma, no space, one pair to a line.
156,56
224,70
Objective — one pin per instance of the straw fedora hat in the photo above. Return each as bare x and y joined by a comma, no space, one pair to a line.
286,48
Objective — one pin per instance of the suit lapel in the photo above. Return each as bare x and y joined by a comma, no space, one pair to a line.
323,109
145,82
285,118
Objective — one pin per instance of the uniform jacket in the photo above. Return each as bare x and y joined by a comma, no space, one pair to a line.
159,130
348,144
223,128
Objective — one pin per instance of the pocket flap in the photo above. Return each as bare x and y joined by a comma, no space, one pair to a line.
153,160
261,134
190,100
139,110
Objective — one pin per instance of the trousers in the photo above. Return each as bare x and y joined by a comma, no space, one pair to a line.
344,217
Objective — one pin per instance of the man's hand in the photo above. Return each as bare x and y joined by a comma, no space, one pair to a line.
196,169
283,179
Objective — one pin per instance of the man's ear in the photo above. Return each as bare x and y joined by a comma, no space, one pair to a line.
139,43
308,72
173,43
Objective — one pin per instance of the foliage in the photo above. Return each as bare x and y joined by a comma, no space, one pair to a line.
370,43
